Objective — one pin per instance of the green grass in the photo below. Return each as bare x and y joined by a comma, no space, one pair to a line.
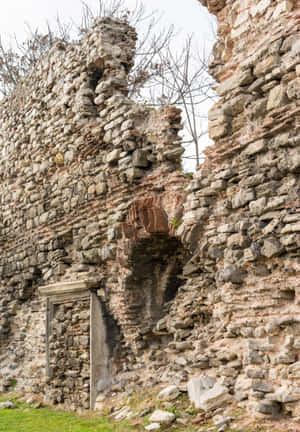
26,419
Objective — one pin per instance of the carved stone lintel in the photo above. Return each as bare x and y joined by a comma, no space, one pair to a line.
63,291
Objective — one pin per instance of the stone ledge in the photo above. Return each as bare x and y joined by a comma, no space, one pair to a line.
65,288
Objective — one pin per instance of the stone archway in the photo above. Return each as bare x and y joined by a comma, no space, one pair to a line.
156,266
151,258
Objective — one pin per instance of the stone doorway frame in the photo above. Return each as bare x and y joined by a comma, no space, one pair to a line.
62,292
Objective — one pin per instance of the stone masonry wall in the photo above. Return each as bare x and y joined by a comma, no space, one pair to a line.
201,277
69,354
241,298
75,154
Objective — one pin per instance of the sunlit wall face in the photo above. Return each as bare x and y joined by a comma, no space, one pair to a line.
17,18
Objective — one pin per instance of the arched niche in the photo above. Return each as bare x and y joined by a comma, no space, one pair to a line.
151,258
156,266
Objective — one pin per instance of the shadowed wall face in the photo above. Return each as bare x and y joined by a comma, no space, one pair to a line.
156,274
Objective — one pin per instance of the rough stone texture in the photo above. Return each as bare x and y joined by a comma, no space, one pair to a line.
200,277
78,160
160,416
250,238
169,393
209,398
69,366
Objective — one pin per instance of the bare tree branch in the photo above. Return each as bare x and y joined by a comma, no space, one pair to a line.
162,73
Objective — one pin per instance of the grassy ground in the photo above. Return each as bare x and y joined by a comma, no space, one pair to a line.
26,418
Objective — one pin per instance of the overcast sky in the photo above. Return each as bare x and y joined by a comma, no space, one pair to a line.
186,15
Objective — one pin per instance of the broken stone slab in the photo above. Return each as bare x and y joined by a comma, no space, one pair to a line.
122,414
152,427
206,393
169,393
160,416
214,398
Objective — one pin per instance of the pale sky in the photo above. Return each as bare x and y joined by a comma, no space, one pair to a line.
186,15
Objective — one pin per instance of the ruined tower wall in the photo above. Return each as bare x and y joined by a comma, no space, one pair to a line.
76,151
244,207
198,277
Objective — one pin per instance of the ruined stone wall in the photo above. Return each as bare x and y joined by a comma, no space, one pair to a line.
200,277
69,354
236,316
243,206
76,151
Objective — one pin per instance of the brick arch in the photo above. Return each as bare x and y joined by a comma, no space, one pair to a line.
151,259
152,216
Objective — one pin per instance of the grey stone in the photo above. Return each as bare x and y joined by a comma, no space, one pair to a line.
169,393
271,247
277,97
139,159
255,373
261,386
233,274
258,207
113,156
160,416
268,407
7,405
242,197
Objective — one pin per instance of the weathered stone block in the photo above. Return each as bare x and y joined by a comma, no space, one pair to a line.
160,416
206,393
271,247
277,97
242,197
255,147
139,159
